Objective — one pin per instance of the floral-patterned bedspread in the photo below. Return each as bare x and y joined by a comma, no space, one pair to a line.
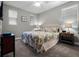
36,38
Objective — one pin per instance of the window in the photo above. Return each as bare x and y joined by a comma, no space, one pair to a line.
12,14
69,14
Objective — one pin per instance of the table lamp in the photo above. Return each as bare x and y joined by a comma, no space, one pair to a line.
68,25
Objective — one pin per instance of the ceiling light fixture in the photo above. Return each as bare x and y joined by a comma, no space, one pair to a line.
37,4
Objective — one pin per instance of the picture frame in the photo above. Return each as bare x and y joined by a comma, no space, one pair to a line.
32,18
24,18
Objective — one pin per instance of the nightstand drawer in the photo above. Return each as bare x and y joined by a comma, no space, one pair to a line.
66,38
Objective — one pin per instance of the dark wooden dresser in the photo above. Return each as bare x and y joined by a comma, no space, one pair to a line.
66,37
7,44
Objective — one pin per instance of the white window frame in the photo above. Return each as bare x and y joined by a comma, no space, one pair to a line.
12,16
69,7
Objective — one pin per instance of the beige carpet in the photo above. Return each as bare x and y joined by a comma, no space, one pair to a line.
59,50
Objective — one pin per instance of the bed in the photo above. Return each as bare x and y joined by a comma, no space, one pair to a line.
41,41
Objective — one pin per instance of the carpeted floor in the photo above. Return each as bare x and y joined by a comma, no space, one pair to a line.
59,50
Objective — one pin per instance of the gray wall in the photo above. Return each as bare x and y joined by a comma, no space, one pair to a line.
21,26
53,16
0,3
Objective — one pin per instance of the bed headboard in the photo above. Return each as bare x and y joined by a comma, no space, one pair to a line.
50,28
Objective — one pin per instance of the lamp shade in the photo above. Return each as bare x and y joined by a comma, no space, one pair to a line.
68,25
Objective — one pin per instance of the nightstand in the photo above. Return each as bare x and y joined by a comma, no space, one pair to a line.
7,44
66,37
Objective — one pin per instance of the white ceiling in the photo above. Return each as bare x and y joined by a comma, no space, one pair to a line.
29,5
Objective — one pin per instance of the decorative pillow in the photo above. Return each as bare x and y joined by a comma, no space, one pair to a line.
54,29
